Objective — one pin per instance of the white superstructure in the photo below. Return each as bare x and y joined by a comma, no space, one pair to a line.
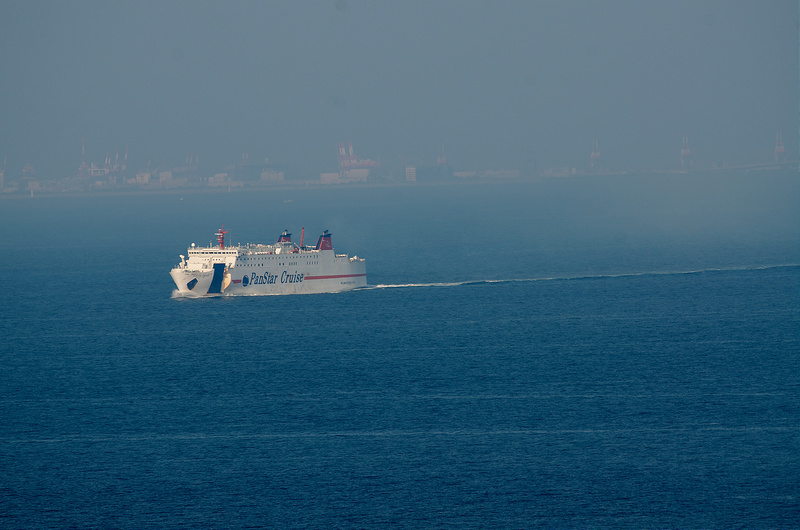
280,268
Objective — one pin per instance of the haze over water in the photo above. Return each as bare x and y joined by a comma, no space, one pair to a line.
501,85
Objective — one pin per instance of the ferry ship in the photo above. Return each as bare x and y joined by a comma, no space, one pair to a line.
258,269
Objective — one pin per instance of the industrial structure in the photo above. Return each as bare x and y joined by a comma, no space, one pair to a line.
441,159
595,157
108,173
780,151
686,153
352,168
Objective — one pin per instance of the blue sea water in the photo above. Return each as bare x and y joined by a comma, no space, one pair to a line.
617,352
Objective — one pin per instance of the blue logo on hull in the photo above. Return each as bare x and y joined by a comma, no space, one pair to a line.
269,278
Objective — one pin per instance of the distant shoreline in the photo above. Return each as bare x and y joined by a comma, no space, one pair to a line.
759,170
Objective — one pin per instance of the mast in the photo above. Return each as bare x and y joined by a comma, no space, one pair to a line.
221,237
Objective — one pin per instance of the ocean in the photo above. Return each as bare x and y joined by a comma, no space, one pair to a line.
589,352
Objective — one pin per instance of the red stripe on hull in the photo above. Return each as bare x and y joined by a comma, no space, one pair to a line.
334,276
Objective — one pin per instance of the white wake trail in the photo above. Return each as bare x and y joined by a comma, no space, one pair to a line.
581,277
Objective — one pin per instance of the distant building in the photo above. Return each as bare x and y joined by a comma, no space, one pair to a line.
345,176
12,186
186,173
411,174
501,174
559,172
96,171
270,176
28,178
355,175
219,179
436,173
329,178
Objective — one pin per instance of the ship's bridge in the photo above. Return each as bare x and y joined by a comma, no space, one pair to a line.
204,258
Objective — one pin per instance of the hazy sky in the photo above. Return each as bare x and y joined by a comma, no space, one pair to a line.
497,83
